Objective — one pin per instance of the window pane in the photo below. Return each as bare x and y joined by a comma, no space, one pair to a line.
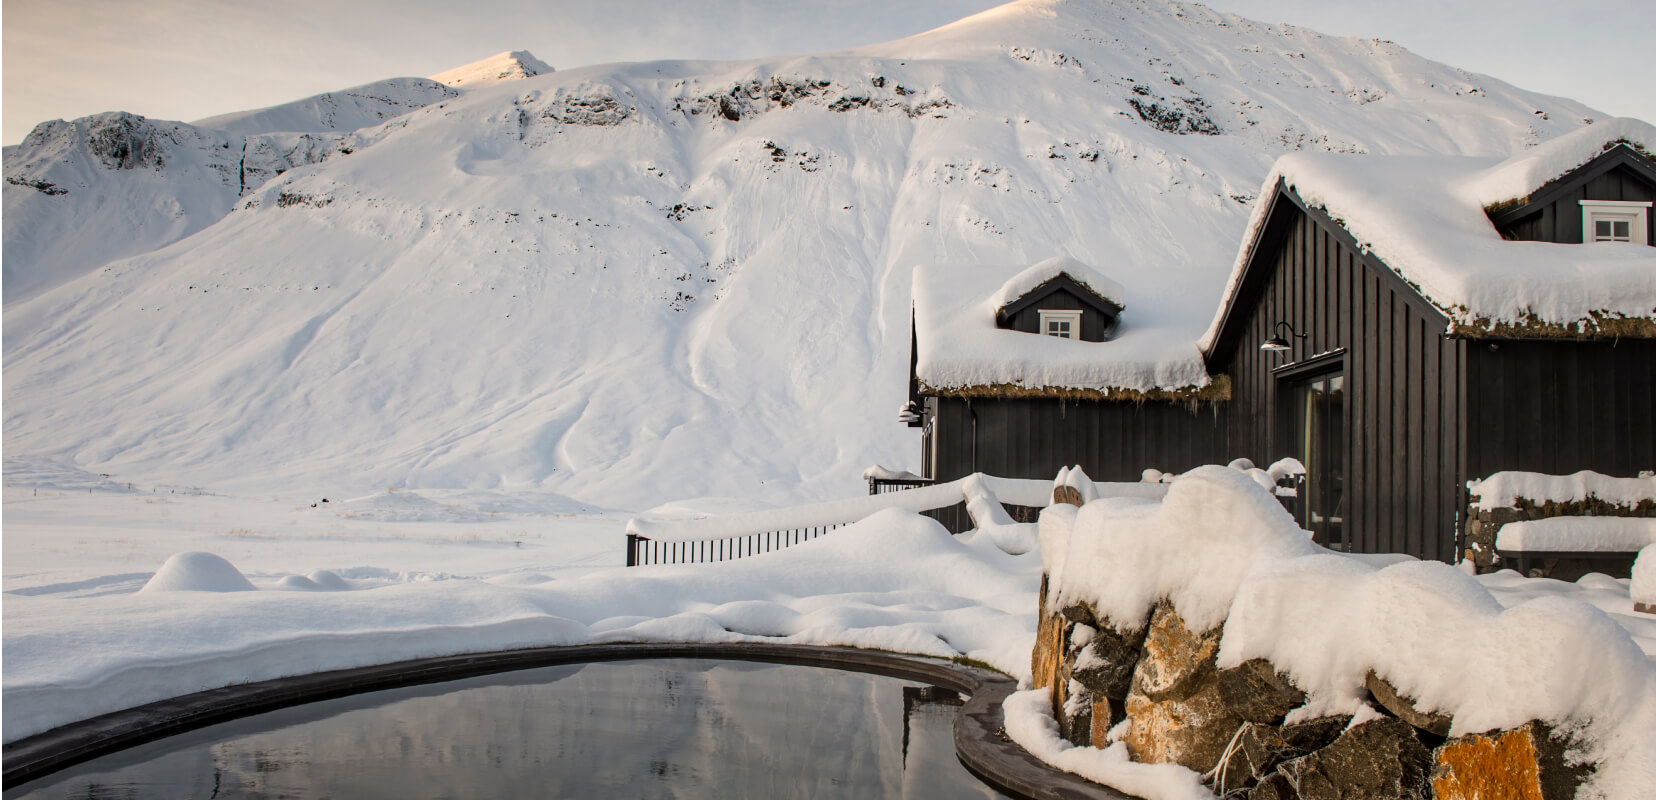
1621,231
1601,229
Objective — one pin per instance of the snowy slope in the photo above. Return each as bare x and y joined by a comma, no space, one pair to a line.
633,283
80,194
344,110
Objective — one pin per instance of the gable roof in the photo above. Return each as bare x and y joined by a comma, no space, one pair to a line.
1044,277
1424,219
1619,156
959,350
1522,176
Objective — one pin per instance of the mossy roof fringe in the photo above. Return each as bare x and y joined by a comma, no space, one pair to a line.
1599,325
1216,391
1502,205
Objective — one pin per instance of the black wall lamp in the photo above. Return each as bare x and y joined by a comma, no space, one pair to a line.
1277,343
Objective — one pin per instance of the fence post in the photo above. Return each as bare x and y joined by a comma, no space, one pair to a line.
632,549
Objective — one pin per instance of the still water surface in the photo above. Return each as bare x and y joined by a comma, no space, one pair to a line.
673,728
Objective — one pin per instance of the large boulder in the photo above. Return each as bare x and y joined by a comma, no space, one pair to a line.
1404,708
1524,763
1183,709
1260,748
1050,632
1381,759
1175,659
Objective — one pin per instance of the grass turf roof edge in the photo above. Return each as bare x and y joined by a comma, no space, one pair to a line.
1217,390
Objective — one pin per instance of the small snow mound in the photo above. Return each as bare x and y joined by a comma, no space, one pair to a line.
1285,468
298,583
330,581
1643,590
521,579
198,572
509,66
402,505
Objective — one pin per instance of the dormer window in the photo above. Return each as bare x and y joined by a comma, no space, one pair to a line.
1062,324
1614,220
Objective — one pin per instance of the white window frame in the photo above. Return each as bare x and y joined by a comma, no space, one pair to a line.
1635,212
1073,317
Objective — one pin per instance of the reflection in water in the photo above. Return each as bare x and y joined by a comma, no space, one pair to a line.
657,729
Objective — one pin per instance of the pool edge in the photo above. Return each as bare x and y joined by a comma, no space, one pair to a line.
980,740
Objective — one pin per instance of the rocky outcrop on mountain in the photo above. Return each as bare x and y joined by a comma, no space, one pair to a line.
84,192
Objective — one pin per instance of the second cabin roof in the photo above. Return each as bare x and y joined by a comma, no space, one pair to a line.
959,349
1427,219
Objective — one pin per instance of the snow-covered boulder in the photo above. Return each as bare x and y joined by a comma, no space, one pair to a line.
198,572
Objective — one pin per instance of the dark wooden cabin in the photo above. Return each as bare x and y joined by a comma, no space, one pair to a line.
1029,430
1391,388
1394,400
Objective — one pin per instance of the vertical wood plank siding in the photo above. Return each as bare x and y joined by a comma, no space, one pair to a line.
1403,399
1562,406
1034,438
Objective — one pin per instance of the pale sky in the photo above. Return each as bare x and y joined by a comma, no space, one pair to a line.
189,59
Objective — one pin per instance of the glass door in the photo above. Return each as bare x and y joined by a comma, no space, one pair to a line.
1319,431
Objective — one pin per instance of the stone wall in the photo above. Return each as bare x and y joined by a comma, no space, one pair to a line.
1483,525
1158,689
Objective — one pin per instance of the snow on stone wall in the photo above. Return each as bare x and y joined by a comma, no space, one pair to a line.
1506,489
1224,556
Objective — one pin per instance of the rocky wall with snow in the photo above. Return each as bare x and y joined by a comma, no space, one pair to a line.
1207,631
1510,497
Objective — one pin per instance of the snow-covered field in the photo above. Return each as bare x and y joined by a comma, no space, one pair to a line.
418,574
427,573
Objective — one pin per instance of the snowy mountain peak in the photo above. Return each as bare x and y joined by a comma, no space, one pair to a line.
511,65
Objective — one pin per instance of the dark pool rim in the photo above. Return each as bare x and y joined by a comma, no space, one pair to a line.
980,737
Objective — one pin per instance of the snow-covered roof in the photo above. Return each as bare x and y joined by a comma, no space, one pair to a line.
1425,218
1520,176
959,349
1042,271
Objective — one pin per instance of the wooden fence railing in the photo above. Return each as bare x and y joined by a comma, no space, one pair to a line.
736,536
643,550
884,485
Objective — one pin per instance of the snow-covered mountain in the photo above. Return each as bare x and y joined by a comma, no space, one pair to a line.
511,65
632,283
116,184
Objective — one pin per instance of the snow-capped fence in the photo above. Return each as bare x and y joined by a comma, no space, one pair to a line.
712,539
642,550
